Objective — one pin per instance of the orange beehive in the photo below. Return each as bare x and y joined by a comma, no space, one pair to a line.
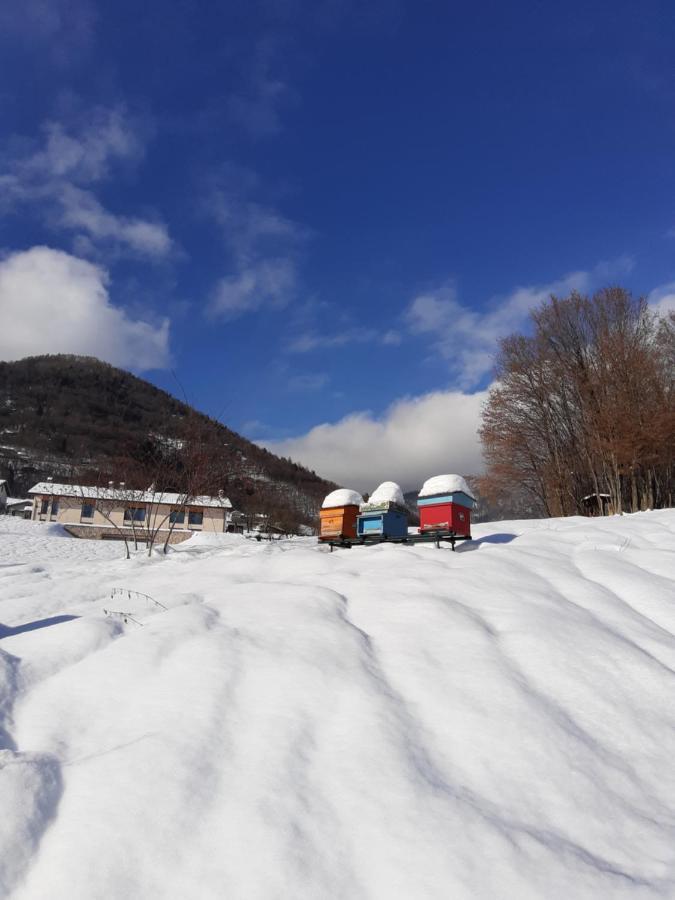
338,515
340,521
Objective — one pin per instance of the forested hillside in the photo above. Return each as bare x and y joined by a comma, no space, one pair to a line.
60,415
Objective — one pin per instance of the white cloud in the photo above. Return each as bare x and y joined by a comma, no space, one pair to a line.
81,211
256,106
252,427
308,381
415,438
55,181
312,340
85,154
251,229
256,109
269,282
391,338
63,28
52,302
263,246
662,299
467,338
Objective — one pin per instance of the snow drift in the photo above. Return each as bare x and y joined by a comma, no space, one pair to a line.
389,722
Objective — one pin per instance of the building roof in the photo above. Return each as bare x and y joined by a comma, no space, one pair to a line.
16,501
126,495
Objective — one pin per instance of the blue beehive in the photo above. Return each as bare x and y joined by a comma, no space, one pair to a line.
385,514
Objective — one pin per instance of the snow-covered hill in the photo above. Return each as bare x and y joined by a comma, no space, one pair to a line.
389,722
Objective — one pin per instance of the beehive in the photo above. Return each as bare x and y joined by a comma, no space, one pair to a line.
445,503
384,515
338,515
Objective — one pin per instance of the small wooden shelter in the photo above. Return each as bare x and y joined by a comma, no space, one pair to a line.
596,504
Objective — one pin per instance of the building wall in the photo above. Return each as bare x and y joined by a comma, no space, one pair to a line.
96,532
70,513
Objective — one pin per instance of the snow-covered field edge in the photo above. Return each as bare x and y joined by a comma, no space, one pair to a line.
383,722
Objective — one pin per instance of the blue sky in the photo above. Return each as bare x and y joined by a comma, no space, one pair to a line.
316,219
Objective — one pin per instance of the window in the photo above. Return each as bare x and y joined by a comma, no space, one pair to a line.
134,514
55,508
177,516
87,511
44,506
196,517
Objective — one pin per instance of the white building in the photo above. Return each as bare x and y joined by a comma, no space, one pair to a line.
114,511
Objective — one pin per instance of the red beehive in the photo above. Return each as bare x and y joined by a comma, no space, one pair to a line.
445,504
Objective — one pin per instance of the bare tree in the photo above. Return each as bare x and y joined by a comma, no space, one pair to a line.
176,470
105,498
584,406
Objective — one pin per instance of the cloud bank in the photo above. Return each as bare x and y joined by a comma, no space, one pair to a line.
662,299
468,338
55,181
263,246
52,302
415,438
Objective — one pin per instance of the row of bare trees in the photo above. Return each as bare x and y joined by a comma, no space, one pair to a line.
582,415
161,476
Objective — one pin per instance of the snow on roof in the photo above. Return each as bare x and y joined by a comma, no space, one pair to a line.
126,495
387,492
593,496
445,484
16,501
342,497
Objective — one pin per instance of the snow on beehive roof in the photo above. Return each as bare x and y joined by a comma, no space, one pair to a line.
342,497
387,492
445,484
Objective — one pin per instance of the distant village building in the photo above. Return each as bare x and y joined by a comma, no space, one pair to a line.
13,506
116,511
21,509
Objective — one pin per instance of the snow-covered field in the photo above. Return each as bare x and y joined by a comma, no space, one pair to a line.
388,722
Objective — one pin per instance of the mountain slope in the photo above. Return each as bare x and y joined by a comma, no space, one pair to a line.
59,412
